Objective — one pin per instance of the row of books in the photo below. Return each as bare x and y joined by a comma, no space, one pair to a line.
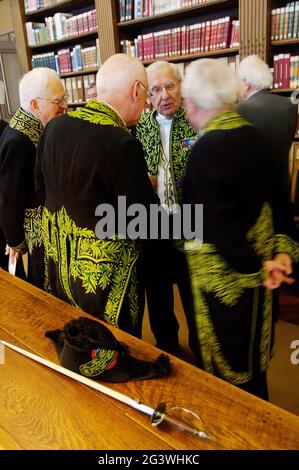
60,26
32,5
285,71
69,60
77,87
285,22
133,9
232,61
208,36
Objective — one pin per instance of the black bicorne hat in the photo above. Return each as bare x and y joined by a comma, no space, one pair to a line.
90,349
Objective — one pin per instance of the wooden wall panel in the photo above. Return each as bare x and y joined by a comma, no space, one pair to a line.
108,36
255,23
23,51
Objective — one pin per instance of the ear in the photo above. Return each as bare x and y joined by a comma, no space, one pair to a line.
34,106
135,91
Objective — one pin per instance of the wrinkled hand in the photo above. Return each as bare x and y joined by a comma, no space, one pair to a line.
277,271
153,181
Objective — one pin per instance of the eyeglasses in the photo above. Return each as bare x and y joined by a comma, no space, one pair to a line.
59,101
149,93
157,90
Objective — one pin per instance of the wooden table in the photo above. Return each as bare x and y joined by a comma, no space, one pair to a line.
41,409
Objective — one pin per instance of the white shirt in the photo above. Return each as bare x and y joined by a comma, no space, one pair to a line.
165,183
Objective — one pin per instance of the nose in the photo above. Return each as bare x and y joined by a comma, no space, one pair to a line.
164,93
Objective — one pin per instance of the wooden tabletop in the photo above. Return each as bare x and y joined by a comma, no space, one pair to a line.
41,409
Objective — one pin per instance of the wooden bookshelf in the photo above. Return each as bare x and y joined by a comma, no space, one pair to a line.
213,6
190,57
254,24
80,72
63,6
25,50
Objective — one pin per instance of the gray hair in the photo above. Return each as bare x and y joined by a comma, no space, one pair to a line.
211,83
255,72
34,85
119,72
160,64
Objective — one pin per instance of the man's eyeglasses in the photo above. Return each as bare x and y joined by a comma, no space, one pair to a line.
59,101
149,93
157,90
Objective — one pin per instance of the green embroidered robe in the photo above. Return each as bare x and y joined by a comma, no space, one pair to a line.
19,212
232,171
85,159
148,133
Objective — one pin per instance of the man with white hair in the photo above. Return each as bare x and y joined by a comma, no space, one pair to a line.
162,132
42,97
273,115
86,160
247,247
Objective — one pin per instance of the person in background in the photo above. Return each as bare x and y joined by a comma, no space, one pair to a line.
42,97
162,132
273,115
92,91
247,248
86,160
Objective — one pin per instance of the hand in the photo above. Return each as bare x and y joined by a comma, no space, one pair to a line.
153,181
276,273
286,260
12,253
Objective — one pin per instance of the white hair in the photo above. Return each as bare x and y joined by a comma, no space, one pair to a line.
211,83
34,85
255,72
161,64
119,72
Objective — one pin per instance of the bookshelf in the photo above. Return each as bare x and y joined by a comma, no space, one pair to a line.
62,35
284,45
252,14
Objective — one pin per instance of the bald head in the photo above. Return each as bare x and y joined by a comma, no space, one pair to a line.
120,83
118,73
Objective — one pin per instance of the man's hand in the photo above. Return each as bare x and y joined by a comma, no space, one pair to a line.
277,271
12,253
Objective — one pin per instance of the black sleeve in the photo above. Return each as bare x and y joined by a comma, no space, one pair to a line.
38,175
218,185
128,173
16,186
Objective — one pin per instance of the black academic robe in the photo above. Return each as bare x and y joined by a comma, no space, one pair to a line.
19,215
3,258
85,159
246,220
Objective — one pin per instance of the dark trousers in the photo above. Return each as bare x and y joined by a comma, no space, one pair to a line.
163,265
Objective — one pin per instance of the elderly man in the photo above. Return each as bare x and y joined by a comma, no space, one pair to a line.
86,160
233,172
162,132
42,97
273,115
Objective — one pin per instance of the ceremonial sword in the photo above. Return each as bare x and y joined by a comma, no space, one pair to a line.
158,415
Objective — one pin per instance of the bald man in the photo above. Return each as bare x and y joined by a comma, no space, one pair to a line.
85,159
